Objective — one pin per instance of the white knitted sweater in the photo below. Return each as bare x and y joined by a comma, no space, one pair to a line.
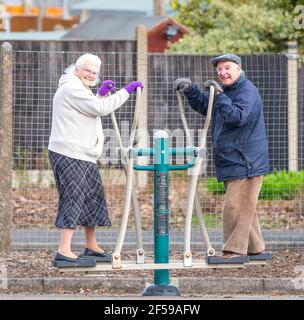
76,124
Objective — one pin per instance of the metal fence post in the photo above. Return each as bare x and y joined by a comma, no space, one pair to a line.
142,75
6,83
292,55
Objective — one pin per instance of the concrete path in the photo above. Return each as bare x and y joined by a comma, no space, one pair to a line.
189,287
49,239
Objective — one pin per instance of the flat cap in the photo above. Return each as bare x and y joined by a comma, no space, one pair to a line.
226,57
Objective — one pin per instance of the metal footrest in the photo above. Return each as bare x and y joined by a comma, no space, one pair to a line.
261,257
256,263
220,260
132,265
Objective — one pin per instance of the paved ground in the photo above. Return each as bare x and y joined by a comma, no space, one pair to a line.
138,297
31,275
49,239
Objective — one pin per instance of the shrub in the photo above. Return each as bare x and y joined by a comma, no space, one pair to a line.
278,185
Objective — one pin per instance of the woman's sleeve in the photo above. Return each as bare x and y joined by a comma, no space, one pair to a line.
94,106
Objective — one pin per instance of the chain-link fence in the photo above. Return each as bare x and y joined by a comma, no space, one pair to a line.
34,197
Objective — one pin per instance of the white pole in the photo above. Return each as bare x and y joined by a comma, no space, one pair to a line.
142,75
293,57
28,4
65,10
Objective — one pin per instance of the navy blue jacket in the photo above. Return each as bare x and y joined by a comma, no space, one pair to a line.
240,147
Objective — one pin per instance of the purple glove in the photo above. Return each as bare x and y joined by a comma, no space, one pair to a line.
130,87
106,87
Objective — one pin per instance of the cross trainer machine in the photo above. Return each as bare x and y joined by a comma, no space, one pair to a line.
161,169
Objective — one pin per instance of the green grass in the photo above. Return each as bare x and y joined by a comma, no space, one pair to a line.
280,185
214,187
212,220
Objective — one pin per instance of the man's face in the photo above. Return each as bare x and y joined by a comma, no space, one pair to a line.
87,74
228,72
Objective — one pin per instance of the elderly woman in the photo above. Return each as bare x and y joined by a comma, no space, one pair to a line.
75,144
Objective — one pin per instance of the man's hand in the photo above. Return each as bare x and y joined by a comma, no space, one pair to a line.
182,85
216,85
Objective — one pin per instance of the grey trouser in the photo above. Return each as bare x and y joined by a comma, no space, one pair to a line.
242,232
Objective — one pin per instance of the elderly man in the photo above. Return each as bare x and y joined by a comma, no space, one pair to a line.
240,152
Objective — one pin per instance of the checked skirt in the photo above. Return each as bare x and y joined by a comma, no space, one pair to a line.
82,200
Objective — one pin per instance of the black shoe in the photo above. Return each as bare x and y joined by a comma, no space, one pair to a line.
61,261
98,256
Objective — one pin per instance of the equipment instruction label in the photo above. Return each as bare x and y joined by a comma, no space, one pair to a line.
162,202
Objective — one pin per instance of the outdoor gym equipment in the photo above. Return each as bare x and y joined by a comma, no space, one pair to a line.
199,156
161,168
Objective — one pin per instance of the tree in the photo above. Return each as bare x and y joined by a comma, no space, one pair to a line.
289,5
242,26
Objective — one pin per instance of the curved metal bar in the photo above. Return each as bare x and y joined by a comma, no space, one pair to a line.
136,117
193,197
137,215
210,250
202,226
116,258
183,117
130,193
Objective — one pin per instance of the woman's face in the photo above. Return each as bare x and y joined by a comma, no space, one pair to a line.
87,74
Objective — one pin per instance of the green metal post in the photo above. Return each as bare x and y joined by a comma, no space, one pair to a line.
161,168
161,206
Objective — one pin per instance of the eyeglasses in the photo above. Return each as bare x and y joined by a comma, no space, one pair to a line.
90,72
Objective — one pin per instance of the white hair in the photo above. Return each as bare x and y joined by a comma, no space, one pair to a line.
70,69
82,61
86,58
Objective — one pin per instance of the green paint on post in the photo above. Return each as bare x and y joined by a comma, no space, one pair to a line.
161,168
161,206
